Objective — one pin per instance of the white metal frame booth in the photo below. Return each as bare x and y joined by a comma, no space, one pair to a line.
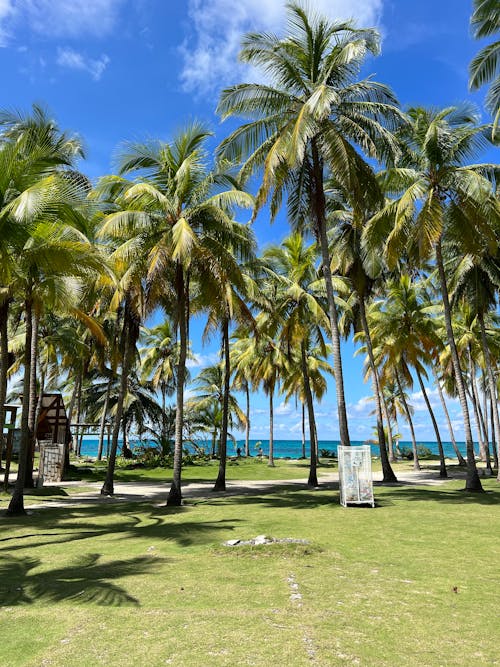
355,475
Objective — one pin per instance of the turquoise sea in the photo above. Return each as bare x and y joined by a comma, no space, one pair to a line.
291,448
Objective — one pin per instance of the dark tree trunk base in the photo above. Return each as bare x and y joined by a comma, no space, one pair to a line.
312,482
15,512
220,485
473,483
174,497
107,489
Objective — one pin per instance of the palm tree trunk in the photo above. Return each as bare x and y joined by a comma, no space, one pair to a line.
483,443
271,427
175,493
388,472
313,467
78,434
108,486
220,482
390,439
319,206
32,425
494,441
4,365
247,427
492,391
416,462
461,460
473,483
16,505
102,425
442,462
304,431
164,414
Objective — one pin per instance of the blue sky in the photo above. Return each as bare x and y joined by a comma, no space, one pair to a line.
121,70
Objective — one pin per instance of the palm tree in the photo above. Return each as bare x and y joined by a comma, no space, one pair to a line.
437,196
363,270
406,335
210,395
159,360
475,280
485,68
175,223
297,315
308,122
242,373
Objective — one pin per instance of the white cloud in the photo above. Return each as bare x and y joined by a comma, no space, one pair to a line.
75,60
417,401
363,407
284,409
6,10
69,18
202,360
210,54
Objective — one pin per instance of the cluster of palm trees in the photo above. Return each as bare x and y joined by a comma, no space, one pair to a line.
394,236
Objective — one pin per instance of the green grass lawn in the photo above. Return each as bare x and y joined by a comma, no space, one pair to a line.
412,582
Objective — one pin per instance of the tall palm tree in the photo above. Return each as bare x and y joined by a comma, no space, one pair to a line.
485,67
308,122
159,356
363,270
406,335
438,195
297,316
475,279
175,222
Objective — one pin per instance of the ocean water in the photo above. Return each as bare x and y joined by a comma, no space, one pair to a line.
290,448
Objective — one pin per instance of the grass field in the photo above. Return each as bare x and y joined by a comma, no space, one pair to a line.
412,582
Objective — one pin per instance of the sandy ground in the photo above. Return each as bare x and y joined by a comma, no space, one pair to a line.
157,492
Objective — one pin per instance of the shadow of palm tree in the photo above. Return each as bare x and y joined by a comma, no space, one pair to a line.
73,524
85,581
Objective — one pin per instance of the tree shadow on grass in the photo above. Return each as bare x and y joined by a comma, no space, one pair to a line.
85,581
126,520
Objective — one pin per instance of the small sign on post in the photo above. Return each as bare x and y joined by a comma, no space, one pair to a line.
355,475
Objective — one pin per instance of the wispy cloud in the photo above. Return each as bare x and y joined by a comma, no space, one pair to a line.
69,18
75,60
210,52
285,409
6,10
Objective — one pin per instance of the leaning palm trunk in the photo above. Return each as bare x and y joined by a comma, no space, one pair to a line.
390,439
442,463
389,476
16,505
460,458
108,486
492,392
220,482
175,493
416,462
319,205
4,363
313,467
473,483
